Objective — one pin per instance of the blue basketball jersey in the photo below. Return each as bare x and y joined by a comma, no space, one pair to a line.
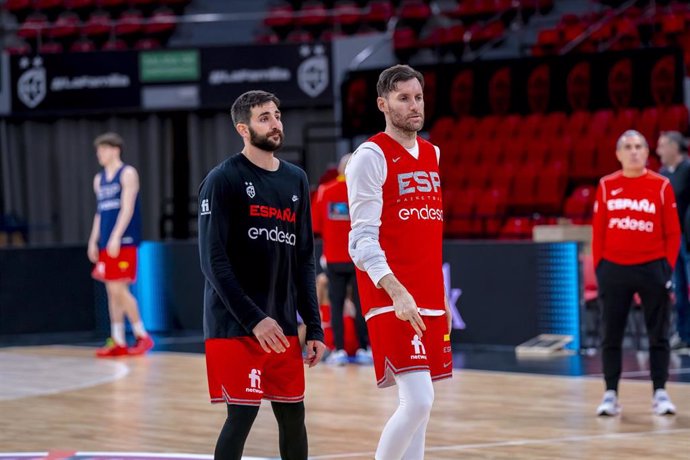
109,201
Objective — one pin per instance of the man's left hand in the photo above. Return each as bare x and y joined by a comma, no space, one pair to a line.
315,351
113,247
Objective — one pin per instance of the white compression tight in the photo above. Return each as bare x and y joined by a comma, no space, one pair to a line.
404,434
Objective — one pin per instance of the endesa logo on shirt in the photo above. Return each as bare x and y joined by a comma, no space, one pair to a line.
628,222
414,186
274,234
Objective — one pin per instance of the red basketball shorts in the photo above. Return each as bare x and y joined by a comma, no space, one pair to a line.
120,268
397,348
241,372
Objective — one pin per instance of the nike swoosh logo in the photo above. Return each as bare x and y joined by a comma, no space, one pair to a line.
616,192
447,364
395,160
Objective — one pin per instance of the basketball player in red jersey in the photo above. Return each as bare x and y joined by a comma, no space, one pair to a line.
394,195
635,243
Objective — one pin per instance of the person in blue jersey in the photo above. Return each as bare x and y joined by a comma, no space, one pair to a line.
256,250
115,236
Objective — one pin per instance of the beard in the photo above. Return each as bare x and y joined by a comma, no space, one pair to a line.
407,124
265,142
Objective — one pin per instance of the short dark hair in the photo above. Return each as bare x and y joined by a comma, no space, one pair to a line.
677,138
390,77
111,139
241,110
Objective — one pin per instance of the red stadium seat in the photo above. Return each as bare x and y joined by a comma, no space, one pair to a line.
648,125
161,22
347,15
50,48
491,208
313,16
673,118
465,128
479,177
380,12
83,45
606,161
578,123
461,221
524,187
516,228
129,24
115,44
551,183
578,206
583,154
18,48
98,24
600,122
623,120
147,44
66,26
299,36
35,24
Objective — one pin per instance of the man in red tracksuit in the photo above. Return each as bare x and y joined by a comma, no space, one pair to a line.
331,218
636,237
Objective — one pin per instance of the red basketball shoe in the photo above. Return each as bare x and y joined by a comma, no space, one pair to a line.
111,350
143,345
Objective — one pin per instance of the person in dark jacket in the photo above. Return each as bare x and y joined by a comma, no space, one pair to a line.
257,255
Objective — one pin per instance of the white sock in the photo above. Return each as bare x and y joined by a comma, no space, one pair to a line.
117,332
404,433
138,329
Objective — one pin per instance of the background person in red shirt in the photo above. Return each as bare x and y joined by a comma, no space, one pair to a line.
332,220
636,237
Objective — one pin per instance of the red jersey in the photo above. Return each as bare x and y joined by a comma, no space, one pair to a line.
635,220
411,232
331,218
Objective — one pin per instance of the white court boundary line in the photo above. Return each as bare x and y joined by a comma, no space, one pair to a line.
456,447
518,442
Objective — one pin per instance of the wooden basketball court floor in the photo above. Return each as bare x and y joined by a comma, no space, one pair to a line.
58,398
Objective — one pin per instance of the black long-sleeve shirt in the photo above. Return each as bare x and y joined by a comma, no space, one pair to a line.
257,249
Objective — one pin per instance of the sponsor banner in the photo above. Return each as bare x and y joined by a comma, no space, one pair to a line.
74,82
300,75
169,66
616,80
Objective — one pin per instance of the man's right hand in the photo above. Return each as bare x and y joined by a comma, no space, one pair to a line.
406,310
270,336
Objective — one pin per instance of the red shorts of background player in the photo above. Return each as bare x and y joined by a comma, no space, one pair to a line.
241,372
120,268
397,349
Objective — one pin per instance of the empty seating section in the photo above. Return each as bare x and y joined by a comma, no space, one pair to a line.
641,24
450,27
54,26
500,173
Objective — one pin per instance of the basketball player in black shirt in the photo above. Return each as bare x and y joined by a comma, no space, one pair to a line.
257,255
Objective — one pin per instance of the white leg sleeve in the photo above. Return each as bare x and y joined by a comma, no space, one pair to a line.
406,428
415,451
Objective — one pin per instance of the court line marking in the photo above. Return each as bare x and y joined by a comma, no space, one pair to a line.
518,442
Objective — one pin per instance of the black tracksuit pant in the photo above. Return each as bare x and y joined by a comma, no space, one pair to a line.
617,286
340,275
